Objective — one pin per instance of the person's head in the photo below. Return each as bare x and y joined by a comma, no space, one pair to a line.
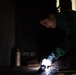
47,18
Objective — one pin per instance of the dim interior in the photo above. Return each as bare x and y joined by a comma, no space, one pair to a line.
23,40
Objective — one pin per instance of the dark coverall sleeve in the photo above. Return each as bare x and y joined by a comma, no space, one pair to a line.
69,22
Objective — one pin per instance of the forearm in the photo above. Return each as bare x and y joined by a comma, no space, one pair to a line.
64,47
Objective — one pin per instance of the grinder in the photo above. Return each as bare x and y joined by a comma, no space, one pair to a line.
47,62
45,65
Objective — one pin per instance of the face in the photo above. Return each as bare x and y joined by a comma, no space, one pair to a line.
49,22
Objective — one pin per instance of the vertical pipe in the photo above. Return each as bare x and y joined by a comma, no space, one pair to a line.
73,4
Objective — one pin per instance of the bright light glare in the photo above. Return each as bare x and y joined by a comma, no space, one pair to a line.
51,71
46,62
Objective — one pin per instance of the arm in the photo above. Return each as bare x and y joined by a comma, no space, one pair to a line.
70,40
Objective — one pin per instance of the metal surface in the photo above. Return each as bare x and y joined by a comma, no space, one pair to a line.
32,69
23,70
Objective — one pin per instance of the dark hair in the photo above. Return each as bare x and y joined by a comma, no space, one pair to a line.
45,12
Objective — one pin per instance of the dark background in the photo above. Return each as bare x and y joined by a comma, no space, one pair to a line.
19,29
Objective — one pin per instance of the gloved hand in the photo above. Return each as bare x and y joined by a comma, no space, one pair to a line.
59,52
47,62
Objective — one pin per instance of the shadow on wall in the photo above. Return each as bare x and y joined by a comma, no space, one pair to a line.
7,31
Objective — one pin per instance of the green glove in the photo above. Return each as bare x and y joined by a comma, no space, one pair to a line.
59,52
